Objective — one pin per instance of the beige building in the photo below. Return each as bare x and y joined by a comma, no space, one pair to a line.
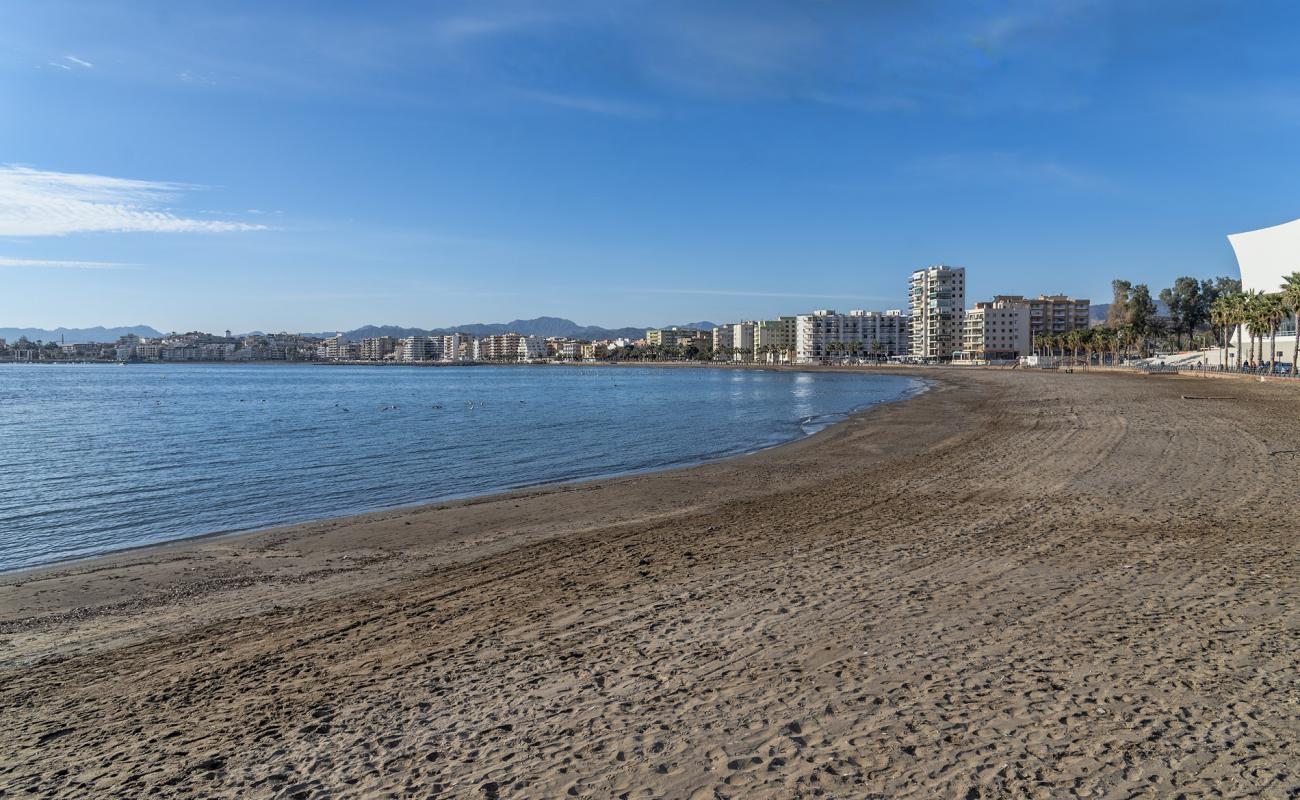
996,331
1054,314
675,337
937,297
774,340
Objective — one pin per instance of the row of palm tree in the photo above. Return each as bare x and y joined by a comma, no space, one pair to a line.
1259,315
1115,341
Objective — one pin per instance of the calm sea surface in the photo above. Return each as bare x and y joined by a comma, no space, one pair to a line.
95,458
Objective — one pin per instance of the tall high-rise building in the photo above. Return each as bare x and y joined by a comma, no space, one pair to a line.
937,298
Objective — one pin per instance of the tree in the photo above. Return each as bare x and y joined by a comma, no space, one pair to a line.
1117,314
1271,313
1256,323
1291,299
1141,315
1188,306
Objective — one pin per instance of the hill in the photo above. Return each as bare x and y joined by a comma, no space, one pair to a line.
539,326
77,335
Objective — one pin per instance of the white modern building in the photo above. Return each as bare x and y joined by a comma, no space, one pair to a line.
826,334
937,296
1266,257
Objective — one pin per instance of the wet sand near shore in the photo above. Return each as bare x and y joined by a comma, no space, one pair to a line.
1018,584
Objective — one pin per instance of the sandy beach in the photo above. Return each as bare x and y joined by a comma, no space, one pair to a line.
1016,585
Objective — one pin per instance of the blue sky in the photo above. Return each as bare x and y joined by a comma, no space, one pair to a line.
316,166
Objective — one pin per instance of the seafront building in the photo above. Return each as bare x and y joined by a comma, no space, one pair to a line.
937,297
721,340
376,348
826,334
775,340
674,337
996,331
1053,314
742,341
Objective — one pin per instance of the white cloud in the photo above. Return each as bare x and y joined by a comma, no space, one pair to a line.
39,203
37,263
79,62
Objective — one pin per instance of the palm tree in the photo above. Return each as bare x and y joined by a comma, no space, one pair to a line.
1271,314
1221,317
1088,340
1291,297
1237,318
1253,317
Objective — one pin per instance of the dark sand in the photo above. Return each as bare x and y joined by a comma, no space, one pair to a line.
1017,585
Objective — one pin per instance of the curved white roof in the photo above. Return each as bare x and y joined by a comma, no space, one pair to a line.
1266,255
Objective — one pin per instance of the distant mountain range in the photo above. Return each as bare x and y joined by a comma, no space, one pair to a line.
541,326
77,335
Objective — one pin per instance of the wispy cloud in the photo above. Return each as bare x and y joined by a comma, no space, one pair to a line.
79,62
591,105
1003,167
37,263
41,203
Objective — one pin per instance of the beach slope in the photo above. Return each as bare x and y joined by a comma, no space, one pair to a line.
1018,584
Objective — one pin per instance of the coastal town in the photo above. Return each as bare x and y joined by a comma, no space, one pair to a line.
936,327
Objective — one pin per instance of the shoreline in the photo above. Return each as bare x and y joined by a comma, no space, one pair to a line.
89,560
1016,584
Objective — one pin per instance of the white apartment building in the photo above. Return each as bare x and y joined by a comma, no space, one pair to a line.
562,347
721,338
375,348
532,347
742,339
937,297
996,331
459,347
826,334
421,348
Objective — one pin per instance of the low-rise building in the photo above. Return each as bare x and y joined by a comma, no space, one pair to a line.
675,337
